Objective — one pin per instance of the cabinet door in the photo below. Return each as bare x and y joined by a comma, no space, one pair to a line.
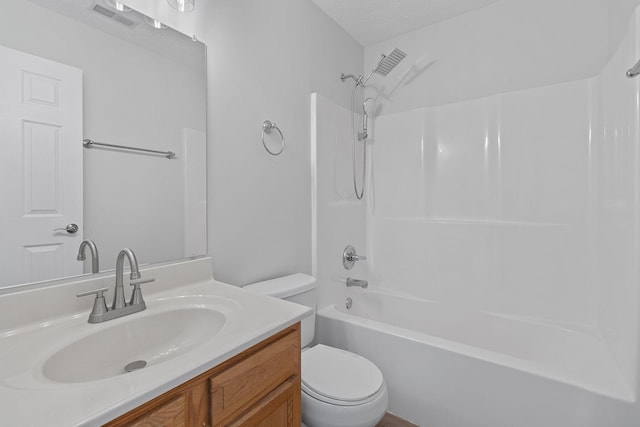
249,381
171,414
280,408
187,408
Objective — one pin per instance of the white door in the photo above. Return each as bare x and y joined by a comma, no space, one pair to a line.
40,168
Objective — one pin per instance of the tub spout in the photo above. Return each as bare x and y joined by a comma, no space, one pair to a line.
357,282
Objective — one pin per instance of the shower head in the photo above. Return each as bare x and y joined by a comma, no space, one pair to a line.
366,106
389,62
384,67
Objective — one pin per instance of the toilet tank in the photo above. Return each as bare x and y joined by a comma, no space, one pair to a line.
299,288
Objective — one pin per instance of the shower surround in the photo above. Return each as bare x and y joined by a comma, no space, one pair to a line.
501,219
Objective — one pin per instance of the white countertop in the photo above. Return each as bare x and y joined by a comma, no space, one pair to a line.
28,398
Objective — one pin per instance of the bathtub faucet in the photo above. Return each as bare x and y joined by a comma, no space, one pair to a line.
349,256
356,282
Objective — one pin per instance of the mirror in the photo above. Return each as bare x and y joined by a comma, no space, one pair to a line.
79,69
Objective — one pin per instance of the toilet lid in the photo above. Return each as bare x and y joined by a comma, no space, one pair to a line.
339,375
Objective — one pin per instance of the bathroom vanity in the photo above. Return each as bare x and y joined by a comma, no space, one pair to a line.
215,355
260,385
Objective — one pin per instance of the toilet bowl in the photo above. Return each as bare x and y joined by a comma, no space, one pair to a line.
339,388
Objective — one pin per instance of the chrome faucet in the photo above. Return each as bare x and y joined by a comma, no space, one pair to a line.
120,307
95,261
349,257
118,298
357,282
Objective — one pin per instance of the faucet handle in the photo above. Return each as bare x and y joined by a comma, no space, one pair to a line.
137,283
349,257
99,304
136,295
98,293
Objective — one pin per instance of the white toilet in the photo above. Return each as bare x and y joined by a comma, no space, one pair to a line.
339,388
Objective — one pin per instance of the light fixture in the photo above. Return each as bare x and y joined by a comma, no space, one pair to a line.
117,5
182,5
154,23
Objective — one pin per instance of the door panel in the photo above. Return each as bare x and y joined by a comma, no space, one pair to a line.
40,167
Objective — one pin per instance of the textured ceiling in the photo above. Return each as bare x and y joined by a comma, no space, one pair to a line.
372,21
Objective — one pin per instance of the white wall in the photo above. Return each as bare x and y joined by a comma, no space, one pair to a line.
484,203
508,45
130,200
264,59
619,13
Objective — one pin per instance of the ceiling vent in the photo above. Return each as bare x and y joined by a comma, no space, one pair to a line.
113,16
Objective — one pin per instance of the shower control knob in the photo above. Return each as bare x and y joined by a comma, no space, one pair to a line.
349,257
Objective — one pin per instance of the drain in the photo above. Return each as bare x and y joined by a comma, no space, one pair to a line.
349,303
134,366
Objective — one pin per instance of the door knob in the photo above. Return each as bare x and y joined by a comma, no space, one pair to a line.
71,228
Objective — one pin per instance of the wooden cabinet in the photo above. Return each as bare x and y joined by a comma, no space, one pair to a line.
277,409
171,413
259,387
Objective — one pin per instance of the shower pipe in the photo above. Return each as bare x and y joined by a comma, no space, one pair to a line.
383,68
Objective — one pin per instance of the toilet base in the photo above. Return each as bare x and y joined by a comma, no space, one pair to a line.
316,413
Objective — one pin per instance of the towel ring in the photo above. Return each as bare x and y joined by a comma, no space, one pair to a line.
267,127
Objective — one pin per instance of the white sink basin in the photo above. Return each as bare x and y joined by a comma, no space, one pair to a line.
153,338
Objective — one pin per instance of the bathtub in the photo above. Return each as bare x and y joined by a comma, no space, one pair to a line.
450,366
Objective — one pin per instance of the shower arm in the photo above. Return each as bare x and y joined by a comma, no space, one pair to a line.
358,79
361,80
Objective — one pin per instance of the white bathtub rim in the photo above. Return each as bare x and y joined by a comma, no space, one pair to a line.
623,392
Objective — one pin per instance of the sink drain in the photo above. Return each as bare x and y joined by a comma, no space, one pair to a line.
134,366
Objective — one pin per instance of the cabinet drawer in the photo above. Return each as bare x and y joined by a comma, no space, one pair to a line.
249,380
